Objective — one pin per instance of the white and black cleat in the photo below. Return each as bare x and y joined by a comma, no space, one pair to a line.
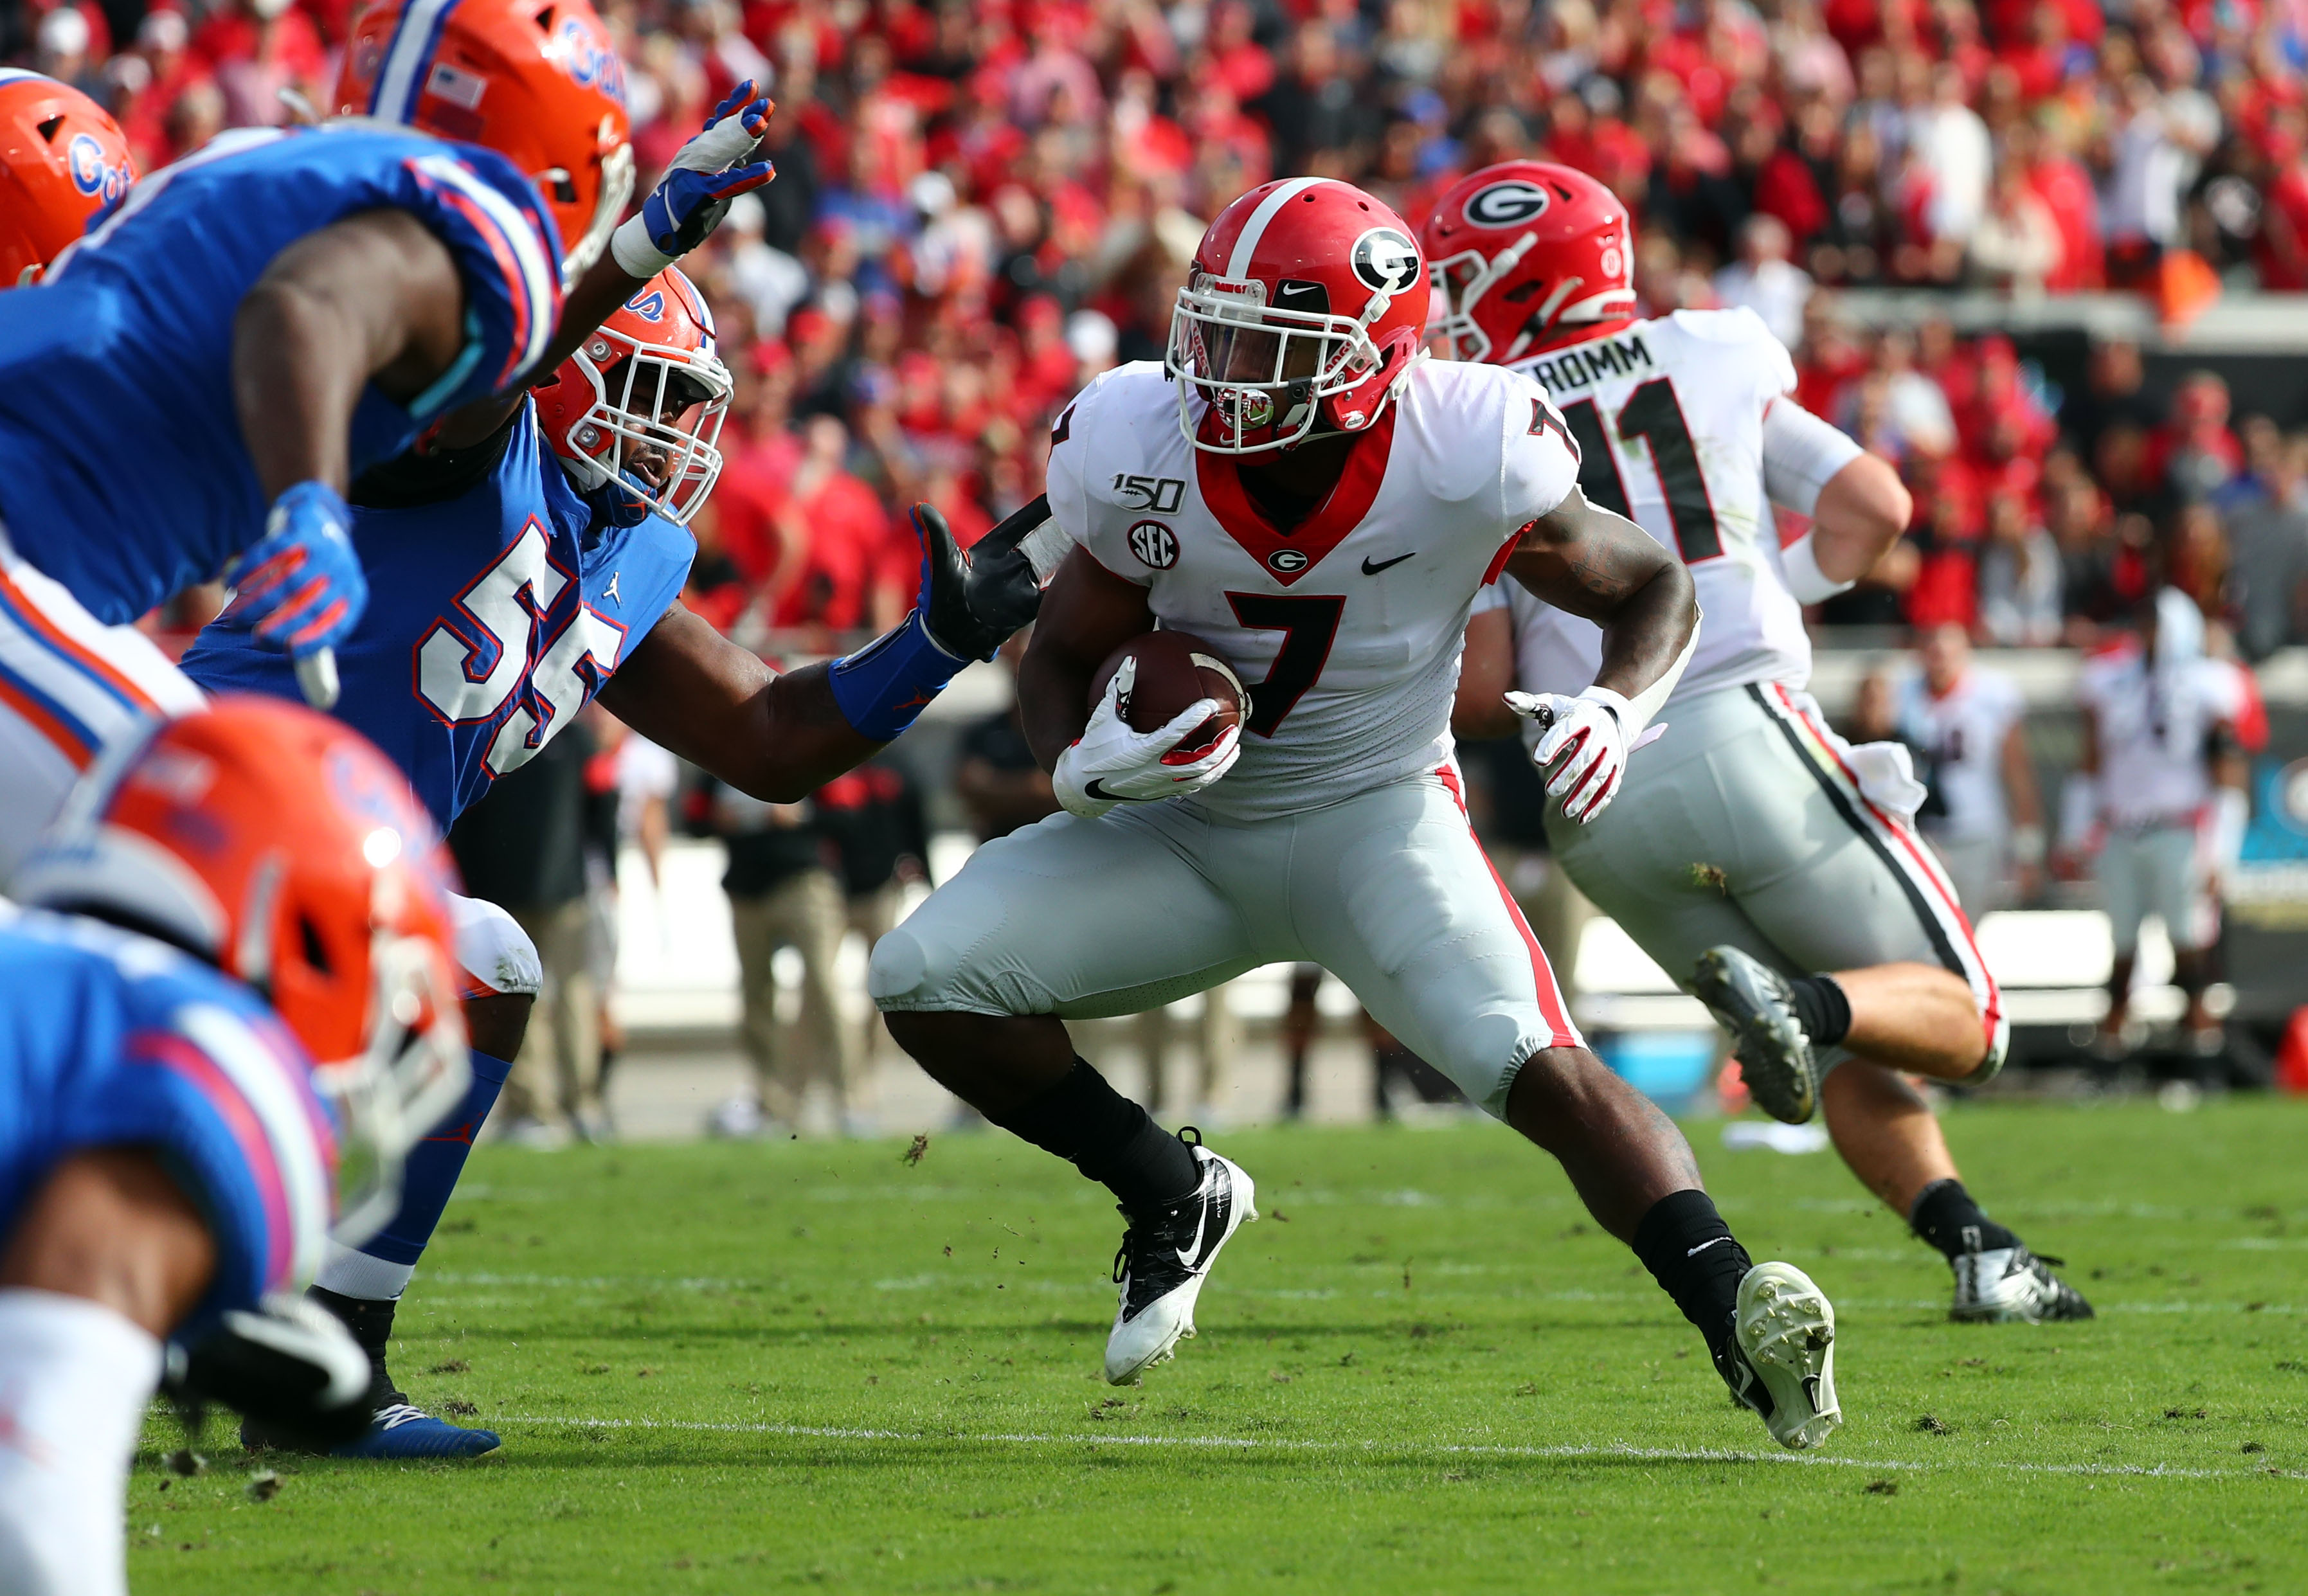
1752,1002
1780,1359
1165,1257
2010,1285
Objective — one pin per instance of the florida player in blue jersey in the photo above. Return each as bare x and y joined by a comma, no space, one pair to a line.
246,891
191,386
516,578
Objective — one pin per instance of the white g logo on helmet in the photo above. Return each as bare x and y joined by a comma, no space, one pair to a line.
1503,204
1386,260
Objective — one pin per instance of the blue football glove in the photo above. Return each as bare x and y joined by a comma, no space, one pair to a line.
694,195
300,587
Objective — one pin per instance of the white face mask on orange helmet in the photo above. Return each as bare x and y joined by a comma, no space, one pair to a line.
642,399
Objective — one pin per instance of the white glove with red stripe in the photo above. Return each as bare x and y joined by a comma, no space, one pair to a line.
1112,763
1583,755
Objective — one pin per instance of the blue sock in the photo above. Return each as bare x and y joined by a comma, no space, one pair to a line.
434,1165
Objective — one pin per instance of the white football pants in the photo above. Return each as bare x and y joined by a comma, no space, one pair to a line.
1748,823
1387,889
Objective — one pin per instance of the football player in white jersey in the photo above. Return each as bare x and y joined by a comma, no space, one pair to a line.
2162,786
1296,486
1769,866
1967,721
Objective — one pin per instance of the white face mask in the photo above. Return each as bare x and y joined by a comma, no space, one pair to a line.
1249,364
655,401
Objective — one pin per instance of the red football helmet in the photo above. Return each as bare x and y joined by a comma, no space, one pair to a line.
1527,254
1305,302
642,399
62,159
281,846
539,84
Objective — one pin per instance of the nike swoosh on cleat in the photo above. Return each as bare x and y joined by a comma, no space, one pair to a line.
1370,569
1223,1201
1097,789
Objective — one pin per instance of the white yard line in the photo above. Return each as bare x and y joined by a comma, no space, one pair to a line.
1379,1449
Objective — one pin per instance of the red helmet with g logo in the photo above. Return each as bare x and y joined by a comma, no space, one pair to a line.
1304,305
62,159
1527,254
540,84
642,399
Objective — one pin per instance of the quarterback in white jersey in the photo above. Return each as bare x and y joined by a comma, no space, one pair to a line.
1297,487
1769,866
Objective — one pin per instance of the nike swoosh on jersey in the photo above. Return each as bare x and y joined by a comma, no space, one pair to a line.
1370,569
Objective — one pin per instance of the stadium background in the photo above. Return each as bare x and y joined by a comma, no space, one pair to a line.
2040,255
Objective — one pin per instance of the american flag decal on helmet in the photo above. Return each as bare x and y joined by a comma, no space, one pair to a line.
402,78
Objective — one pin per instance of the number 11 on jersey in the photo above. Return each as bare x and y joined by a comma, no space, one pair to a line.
1653,415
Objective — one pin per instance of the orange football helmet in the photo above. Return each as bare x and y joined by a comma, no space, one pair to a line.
539,84
642,399
62,159
281,846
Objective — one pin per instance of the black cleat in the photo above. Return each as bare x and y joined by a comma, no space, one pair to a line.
1165,1258
2010,1285
1752,1002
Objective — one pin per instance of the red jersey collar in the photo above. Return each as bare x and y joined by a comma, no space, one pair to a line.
1286,556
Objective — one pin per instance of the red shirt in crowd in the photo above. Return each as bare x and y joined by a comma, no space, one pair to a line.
848,533
2066,189
2281,251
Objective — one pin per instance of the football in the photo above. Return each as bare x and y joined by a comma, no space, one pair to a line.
1175,669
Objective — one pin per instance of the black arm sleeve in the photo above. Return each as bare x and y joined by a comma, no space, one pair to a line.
433,475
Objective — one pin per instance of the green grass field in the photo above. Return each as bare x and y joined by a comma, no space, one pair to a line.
808,1365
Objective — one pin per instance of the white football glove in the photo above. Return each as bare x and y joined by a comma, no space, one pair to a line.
1583,754
1111,763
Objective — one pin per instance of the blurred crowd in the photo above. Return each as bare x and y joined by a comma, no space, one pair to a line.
979,205
2043,517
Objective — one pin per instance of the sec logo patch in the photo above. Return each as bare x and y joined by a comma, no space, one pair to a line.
1289,561
1155,544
